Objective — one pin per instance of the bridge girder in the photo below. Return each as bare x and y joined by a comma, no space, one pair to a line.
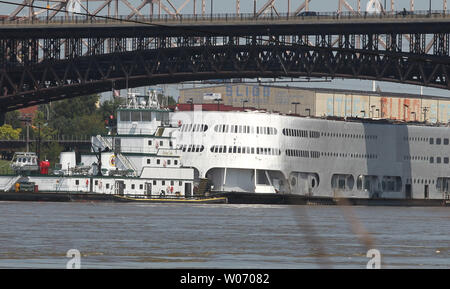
175,8
42,62
58,79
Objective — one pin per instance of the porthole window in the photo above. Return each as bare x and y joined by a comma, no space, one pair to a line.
293,182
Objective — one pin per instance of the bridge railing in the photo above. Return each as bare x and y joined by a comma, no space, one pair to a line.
225,17
61,139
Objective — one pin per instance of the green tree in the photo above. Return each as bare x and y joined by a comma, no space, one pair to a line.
13,118
166,100
40,125
73,107
50,151
78,117
110,107
89,125
42,131
7,132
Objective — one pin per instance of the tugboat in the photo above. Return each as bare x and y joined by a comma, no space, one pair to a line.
116,169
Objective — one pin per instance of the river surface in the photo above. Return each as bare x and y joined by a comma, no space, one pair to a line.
113,235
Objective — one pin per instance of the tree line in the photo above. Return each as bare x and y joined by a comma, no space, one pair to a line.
79,117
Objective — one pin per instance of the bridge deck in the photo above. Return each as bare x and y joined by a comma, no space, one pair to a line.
379,23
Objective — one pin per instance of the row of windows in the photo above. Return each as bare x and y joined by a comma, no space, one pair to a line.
317,134
155,183
194,127
349,135
225,128
439,160
27,160
350,155
136,115
273,151
302,153
419,181
192,148
370,183
160,143
143,115
415,158
424,139
437,141
245,150
300,133
297,153
167,162
133,186
432,160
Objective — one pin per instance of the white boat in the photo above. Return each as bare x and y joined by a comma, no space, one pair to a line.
266,153
157,152
111,169
25,162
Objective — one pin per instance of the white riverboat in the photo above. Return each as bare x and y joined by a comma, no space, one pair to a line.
112,169
158,152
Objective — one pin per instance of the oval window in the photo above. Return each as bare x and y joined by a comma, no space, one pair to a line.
293,181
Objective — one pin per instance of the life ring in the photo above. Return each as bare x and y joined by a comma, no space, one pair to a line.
112,160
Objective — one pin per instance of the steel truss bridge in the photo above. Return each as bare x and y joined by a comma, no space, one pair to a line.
50,58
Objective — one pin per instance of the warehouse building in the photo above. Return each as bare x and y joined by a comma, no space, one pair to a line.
323,102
